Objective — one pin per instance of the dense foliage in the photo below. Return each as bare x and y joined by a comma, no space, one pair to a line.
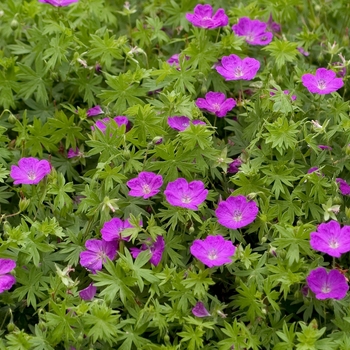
200,232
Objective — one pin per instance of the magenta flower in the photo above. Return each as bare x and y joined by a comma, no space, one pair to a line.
30,171
331,239
203,17
58,3
325,147
97,253
323,82
200,311
273,26
94,111
344,187
216,102
253,30
302,51
74,153
145,185
174,60
213,251
234,68
312,170
120,120
236,212
233,167
6,280
181,123
325,285
88,293
180,193
156,249
112,229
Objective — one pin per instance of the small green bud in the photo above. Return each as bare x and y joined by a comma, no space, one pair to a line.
11,327
347,212
191,229
23,204
14,24
1,13
12,119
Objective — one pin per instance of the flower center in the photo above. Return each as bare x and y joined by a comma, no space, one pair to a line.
237,215
326,288
31,175
333,243
250,37
213,254
321,84
146,189
102,255
186,199
185,124
238,72
216,107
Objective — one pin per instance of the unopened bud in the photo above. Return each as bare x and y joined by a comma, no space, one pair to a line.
12,119
191,229
14,24
157,140
23,204
1,13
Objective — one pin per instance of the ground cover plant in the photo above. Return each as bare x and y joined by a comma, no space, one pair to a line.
174,174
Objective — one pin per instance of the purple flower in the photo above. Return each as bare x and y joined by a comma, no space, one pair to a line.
216,102
200,311
302,51
180,193
325,147
58,3
323,82
343,186
181,123
253,30
233,167
145,185
112,229
6,280
327,285
234,68
213,251
286,92
120,120
97,253
30,171
203,17
236,212
74,153
88,293
331,239
94,111
273,26
156,249
174,60
312,170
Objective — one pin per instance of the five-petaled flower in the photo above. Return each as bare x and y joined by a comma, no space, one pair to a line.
97,253
344,187
112,229
183,194
58,3
181,123
216,102
145,185
236,212
6,280
156,249
323,82
234,68
233,167
30,171
199,310
325,285
213,251
253,30
331,239
203,17
88,293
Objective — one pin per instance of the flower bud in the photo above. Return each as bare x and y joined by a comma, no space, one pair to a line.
11,327
12,119
14,24
23,204
1,13
157,140
191,229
